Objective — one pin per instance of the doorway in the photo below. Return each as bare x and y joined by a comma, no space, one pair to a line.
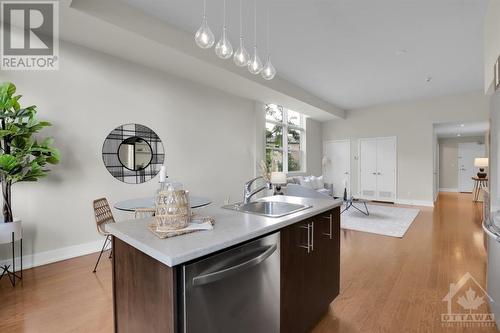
338,170
458,144
467,152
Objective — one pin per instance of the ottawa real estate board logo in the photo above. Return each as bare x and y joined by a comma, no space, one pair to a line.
29,35
467,305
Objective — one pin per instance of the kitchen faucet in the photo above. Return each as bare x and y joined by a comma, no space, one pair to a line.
248,193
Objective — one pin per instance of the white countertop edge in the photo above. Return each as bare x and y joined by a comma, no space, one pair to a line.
174,260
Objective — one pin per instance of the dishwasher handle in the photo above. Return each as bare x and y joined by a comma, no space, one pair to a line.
223,273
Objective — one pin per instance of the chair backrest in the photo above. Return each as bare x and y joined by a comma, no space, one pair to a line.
103,214
141,213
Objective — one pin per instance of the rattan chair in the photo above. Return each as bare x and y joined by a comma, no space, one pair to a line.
141,213
103,216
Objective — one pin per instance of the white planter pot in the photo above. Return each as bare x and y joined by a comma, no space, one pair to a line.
6,230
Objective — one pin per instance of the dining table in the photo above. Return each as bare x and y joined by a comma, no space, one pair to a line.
131,205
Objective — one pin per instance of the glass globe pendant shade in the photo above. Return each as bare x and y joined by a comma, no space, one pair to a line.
204,37
223,48
268,72
241,56
255,65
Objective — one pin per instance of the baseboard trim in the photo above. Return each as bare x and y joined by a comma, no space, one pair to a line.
415,202
48,257
444,189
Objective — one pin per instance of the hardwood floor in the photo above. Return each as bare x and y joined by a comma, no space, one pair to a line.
61,297
387,284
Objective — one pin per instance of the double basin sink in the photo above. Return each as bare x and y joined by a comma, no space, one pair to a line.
267,208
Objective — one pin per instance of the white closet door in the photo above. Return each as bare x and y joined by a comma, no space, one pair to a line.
368,168
386,169
338,169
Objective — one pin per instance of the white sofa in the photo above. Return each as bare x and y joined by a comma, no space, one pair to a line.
309,187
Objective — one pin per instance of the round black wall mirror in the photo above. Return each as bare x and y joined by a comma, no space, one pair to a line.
133,153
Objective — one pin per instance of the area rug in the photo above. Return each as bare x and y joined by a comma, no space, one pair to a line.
383,220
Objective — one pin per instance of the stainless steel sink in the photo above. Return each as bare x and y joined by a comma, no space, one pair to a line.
268,208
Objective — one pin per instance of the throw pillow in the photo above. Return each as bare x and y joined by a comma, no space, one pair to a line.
320,183
306,182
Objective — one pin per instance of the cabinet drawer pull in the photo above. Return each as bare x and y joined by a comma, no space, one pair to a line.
308,246
330,234
312,236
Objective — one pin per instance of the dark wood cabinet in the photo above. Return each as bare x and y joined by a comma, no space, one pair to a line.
294,278
310,267
328,251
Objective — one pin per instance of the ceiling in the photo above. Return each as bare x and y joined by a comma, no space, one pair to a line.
461,129
355,53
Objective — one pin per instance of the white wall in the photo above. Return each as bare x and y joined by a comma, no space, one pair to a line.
314,147
448,161
491,42
209,139
412,124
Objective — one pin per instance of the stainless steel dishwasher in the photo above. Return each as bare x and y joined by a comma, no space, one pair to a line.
234,291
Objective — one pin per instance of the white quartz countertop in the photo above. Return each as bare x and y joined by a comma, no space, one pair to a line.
231,228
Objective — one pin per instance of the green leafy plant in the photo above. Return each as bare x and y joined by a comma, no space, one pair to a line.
23,157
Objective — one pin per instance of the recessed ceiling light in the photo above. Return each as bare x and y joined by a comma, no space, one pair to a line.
462,125
458,134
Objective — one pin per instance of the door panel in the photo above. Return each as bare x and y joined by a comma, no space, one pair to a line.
368,168
328,245
338,170
467,152
295,287
386,169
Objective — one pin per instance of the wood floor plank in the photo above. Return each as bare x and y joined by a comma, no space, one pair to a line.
387,284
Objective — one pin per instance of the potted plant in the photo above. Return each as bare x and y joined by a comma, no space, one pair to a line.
23,155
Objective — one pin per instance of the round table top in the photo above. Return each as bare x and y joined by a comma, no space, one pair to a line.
133,204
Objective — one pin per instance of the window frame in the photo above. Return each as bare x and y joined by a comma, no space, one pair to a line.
285,126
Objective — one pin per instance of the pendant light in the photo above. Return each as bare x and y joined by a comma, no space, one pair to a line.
255,65
223,48
204,37
268,72
241,56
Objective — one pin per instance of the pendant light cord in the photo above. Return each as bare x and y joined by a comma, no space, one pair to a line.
255,22
268,33
204,8
241,18
224,14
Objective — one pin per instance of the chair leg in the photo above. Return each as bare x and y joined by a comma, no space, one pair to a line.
100,254
5,270
21,258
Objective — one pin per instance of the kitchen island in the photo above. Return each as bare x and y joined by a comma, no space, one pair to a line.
149,274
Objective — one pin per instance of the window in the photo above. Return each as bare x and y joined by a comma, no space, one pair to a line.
285,133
